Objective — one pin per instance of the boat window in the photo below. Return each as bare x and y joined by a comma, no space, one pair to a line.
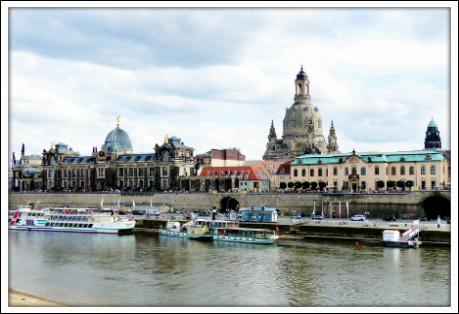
90,225
47,224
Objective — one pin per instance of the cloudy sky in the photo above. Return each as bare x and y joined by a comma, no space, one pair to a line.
217,77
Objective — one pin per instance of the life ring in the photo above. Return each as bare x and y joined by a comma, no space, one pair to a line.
192,232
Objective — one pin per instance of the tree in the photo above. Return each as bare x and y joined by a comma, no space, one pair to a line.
306,185
322,184
290,185
380,184
401,184
298,185
391,184
283,185
314,185
409,184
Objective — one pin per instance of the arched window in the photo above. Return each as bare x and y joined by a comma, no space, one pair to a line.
394,171
295,173
346,171
363,171
411,170
377,170
311,172
320,172
363,185
303,172
354,170
432,170
402,170
423,170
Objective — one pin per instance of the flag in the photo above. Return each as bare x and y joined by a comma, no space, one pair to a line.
133,203
151,203
118,203
102,203
277,228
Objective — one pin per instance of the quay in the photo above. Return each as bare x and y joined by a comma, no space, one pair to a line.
328,230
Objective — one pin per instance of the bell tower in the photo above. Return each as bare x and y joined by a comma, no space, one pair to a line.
302,87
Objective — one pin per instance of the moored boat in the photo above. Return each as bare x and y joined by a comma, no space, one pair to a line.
199,230
174,229
83,220
392,238
230,231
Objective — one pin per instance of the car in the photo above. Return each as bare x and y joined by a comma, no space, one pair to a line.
316,217
358,218
121,213
426,219
298,216
204,214
389,218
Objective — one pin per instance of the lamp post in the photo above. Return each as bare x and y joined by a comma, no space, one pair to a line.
227,206
366,208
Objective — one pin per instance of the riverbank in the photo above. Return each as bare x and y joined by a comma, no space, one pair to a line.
19,299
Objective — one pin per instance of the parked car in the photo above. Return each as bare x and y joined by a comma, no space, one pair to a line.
204,214
297,216
426,219
121,213
316,217
358,218
389,218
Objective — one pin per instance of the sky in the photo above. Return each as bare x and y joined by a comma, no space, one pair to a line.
217,77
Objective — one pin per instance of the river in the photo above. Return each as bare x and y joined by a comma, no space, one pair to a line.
145,269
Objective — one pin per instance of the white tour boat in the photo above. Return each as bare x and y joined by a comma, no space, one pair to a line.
223,230
174,229
84,220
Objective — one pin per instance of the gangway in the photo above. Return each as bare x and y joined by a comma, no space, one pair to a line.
410,234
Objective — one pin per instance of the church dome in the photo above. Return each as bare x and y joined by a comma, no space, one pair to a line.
29,171
302,75
117,140
432,124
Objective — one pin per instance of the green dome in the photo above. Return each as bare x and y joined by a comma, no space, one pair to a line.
117,140
432,124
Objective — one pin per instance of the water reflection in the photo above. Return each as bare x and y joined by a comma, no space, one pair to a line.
151,270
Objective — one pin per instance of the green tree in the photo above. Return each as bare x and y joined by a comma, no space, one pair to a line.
314,185
298,185
290,185
401,184
380,184
409,184
306,185
322,185
283,185
391,184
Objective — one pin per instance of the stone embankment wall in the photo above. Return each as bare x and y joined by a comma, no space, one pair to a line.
377,204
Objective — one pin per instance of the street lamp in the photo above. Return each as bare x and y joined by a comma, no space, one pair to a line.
366,209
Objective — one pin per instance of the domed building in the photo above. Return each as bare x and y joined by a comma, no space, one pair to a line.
302,129
117,141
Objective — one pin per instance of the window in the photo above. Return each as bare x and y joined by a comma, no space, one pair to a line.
394,171
165,156
363,171
432,170
311,172
131,171
433,185
320,172
152,171
121,171
411,170
74,172
221,173
377,170
402,170
215,173
363,185
295,173
354,170
140,171
303,172
65,173
234,173
423,170
165,171
335,171
346,171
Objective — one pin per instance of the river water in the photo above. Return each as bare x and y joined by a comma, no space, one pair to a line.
145,269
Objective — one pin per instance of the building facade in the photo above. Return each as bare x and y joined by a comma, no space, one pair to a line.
362,171
114,166
302,128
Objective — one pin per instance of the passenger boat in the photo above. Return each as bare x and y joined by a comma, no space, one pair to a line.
199,230
84,220
223,230
392,238
174,229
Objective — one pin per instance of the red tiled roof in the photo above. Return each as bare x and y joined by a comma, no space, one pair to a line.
253,174
286,166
